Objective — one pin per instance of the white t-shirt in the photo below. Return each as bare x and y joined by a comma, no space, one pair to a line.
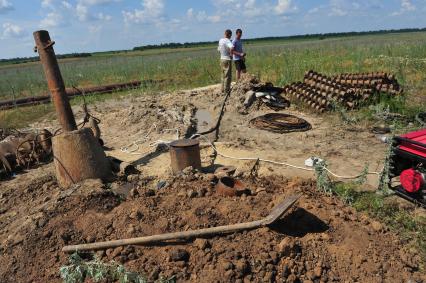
224,48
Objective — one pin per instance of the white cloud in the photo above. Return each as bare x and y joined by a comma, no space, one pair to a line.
12,31
66,5
283,7
82,12
338,8
97,2
64,12
335,11
52,19
151,13
406,6
47,3
103,17
190,13
5,6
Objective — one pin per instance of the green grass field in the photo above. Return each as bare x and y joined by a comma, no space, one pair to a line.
280,62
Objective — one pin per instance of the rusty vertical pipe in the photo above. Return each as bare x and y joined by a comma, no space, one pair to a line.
185,153
54,80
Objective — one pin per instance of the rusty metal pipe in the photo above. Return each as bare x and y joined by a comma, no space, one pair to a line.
54,80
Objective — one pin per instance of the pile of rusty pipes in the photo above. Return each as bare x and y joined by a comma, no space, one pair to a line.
349,90
21,150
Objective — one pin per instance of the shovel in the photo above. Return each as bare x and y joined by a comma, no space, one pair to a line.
275,214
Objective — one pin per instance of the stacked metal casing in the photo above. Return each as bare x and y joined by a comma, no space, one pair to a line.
379,81
320,92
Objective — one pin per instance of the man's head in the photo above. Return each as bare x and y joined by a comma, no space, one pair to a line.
238,33
228,33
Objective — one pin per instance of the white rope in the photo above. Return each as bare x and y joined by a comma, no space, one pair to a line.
167,143
136,144
282,163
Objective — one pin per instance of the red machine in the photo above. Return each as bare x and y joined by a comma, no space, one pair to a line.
409,163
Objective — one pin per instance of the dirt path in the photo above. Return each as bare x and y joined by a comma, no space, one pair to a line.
320,240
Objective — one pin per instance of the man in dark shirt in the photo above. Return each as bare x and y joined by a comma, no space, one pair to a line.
239,55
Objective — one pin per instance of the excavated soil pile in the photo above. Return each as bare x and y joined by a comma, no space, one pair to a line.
319,240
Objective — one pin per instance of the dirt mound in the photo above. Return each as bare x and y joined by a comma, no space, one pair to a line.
319,240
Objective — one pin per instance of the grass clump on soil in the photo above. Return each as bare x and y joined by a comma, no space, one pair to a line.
79,271
410,226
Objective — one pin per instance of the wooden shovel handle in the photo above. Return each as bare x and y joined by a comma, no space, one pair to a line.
164,237
276,213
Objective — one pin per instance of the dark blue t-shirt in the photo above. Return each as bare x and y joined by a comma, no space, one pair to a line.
238,46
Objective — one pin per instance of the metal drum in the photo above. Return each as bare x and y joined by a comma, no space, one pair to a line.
185,153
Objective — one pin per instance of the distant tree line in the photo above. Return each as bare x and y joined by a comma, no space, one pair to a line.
20,60
173,45
272,38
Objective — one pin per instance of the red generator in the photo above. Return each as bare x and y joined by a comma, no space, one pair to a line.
408,162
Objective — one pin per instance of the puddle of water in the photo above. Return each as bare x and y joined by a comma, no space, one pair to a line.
204,120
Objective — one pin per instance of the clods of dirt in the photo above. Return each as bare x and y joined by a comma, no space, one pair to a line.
319,240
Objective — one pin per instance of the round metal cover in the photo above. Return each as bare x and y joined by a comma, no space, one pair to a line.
184,143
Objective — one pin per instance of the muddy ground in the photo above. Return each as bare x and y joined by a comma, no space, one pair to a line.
319,240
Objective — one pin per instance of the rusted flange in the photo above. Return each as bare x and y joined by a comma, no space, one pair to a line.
185,153
230,187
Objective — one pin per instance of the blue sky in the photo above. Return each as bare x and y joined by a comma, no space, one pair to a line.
98,25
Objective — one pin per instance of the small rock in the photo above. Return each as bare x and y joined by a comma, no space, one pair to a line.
116,252
162,185
292,278
210,177
136,215
90,238
131,230
242,267
100,254
191,193
269,277
317,271
202,192
226,265
285,270
377,226
134,193
154,273
274,257
229,273
286,246
41,222
150,193
133,178
47,234
202,244
310,275
178,255
188,170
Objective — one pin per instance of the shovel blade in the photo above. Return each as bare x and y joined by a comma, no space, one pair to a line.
280,209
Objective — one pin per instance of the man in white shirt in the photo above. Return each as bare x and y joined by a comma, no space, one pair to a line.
226,51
